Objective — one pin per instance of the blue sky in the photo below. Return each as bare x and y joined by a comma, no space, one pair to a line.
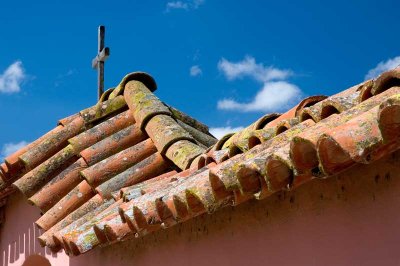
225,63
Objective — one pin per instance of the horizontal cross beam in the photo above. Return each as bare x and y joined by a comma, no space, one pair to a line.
101,57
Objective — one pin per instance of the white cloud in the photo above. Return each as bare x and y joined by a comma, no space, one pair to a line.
248,67
10,148
382,67
12,77
197,3
219,132
275,94
177,5
185,5
195,71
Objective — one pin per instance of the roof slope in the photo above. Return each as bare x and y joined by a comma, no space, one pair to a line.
131,165
129,136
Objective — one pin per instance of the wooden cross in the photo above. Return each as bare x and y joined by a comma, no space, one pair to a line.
98,61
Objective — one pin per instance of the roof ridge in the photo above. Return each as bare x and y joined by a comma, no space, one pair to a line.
171,139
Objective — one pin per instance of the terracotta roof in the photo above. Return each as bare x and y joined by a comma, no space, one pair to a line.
129,136
131,164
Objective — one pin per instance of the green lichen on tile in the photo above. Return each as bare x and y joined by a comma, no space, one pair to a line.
120,87
87,241
143,102
365,124
51,144
228,176
183,152
200,202
205,196
34,180
250,155
105,96
203,139
297,139
165,131
138,76
241,140
294,132
192,191
103,109
220,143
263,134
90,238
188,120
366,144
228,142
393,100
117,91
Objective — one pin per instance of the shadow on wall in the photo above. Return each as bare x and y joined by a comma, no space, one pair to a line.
19,245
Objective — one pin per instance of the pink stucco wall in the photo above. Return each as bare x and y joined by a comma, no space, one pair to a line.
18,235
351,219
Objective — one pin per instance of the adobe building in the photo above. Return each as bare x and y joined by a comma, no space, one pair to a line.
134,181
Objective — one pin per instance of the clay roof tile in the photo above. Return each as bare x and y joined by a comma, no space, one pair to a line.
130,164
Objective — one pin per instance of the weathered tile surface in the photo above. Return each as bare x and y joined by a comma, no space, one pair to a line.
131,165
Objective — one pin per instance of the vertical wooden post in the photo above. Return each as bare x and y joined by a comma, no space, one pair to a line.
98,61
100,65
